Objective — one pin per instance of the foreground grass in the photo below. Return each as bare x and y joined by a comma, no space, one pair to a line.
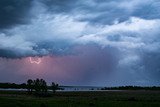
82,99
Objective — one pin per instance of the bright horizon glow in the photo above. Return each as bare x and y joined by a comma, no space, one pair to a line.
35,61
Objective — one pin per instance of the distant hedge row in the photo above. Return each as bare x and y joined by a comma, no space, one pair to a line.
13,85
131,88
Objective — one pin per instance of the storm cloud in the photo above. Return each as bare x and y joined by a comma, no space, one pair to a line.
126,30
14,12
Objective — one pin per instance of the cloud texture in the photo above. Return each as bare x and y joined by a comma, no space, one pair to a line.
126,29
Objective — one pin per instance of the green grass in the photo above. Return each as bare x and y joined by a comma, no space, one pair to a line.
82,99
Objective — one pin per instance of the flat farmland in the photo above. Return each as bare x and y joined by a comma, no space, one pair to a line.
139,98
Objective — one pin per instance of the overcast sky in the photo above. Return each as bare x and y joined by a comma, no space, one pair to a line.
81,42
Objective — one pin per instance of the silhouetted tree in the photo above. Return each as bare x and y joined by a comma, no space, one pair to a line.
54,87
43,85
40,86
23,86
37,85
30,85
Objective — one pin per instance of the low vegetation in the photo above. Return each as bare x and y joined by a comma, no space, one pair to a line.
82,99
37,94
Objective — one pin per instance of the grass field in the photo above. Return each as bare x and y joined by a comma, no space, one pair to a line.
82,99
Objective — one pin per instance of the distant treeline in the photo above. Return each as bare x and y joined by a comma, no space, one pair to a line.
36,87
17,86
13,85
36,84
131,88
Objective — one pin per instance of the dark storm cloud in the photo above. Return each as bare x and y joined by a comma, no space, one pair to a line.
67,20
55,48
148,10
122,10
8,53
100,12
131,27
39,49
60,6
105,11
96,64
151,64
14,12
